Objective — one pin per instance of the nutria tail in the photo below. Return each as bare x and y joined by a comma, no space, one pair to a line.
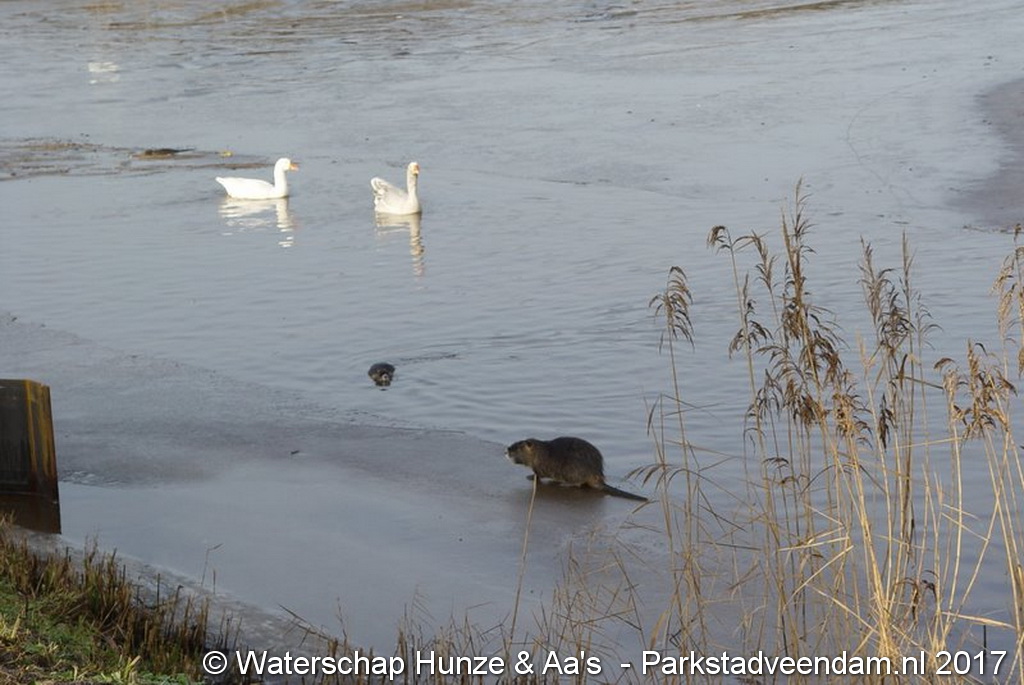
612,490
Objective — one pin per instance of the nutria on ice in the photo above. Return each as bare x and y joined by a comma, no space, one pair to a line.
572,461
382,373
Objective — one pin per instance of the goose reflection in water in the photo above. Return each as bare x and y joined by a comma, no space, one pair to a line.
392,223
241,216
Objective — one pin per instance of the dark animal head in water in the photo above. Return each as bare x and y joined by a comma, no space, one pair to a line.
382,373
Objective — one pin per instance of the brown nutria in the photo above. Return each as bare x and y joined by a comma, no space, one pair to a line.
382,373
572,461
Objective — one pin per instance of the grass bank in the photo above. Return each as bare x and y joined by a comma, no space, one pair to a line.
64,619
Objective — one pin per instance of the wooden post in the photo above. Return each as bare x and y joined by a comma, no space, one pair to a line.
28,458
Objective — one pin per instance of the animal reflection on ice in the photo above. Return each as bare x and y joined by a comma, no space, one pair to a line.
242,216
393,223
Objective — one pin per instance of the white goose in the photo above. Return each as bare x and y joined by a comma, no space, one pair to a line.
388,199
258,189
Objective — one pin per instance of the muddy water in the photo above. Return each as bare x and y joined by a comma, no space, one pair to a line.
208,357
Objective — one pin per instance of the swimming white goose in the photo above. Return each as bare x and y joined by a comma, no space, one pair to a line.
388,199
258,189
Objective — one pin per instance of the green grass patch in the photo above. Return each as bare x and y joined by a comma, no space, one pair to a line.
75,620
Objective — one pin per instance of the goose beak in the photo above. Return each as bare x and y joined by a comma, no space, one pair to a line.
415,169
294,166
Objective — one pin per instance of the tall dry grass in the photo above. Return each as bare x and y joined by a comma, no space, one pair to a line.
159,629
856,534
